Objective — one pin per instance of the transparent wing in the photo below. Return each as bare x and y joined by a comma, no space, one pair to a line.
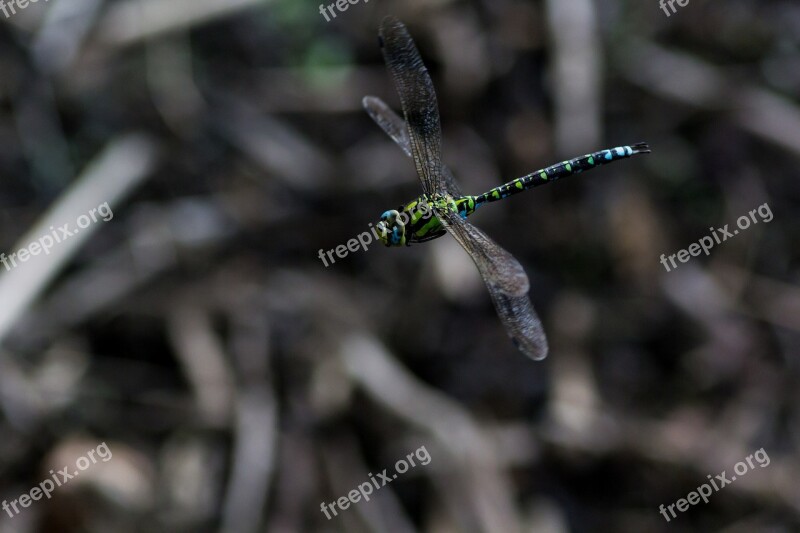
395,127
507,283
414,85
389,121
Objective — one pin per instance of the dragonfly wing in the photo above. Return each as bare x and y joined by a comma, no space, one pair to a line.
389,121
507,283
395,127
418,98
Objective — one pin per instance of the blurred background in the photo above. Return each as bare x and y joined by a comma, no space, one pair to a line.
240,383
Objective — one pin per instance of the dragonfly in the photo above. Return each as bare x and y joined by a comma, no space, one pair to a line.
419,135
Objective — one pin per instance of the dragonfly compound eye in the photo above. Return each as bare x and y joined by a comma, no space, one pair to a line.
390,216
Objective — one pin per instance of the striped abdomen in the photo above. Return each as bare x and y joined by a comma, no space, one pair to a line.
561,170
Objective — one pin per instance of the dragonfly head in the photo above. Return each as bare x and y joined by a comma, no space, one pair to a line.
392,228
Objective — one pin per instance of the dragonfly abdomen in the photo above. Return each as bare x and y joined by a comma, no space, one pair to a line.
562,170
